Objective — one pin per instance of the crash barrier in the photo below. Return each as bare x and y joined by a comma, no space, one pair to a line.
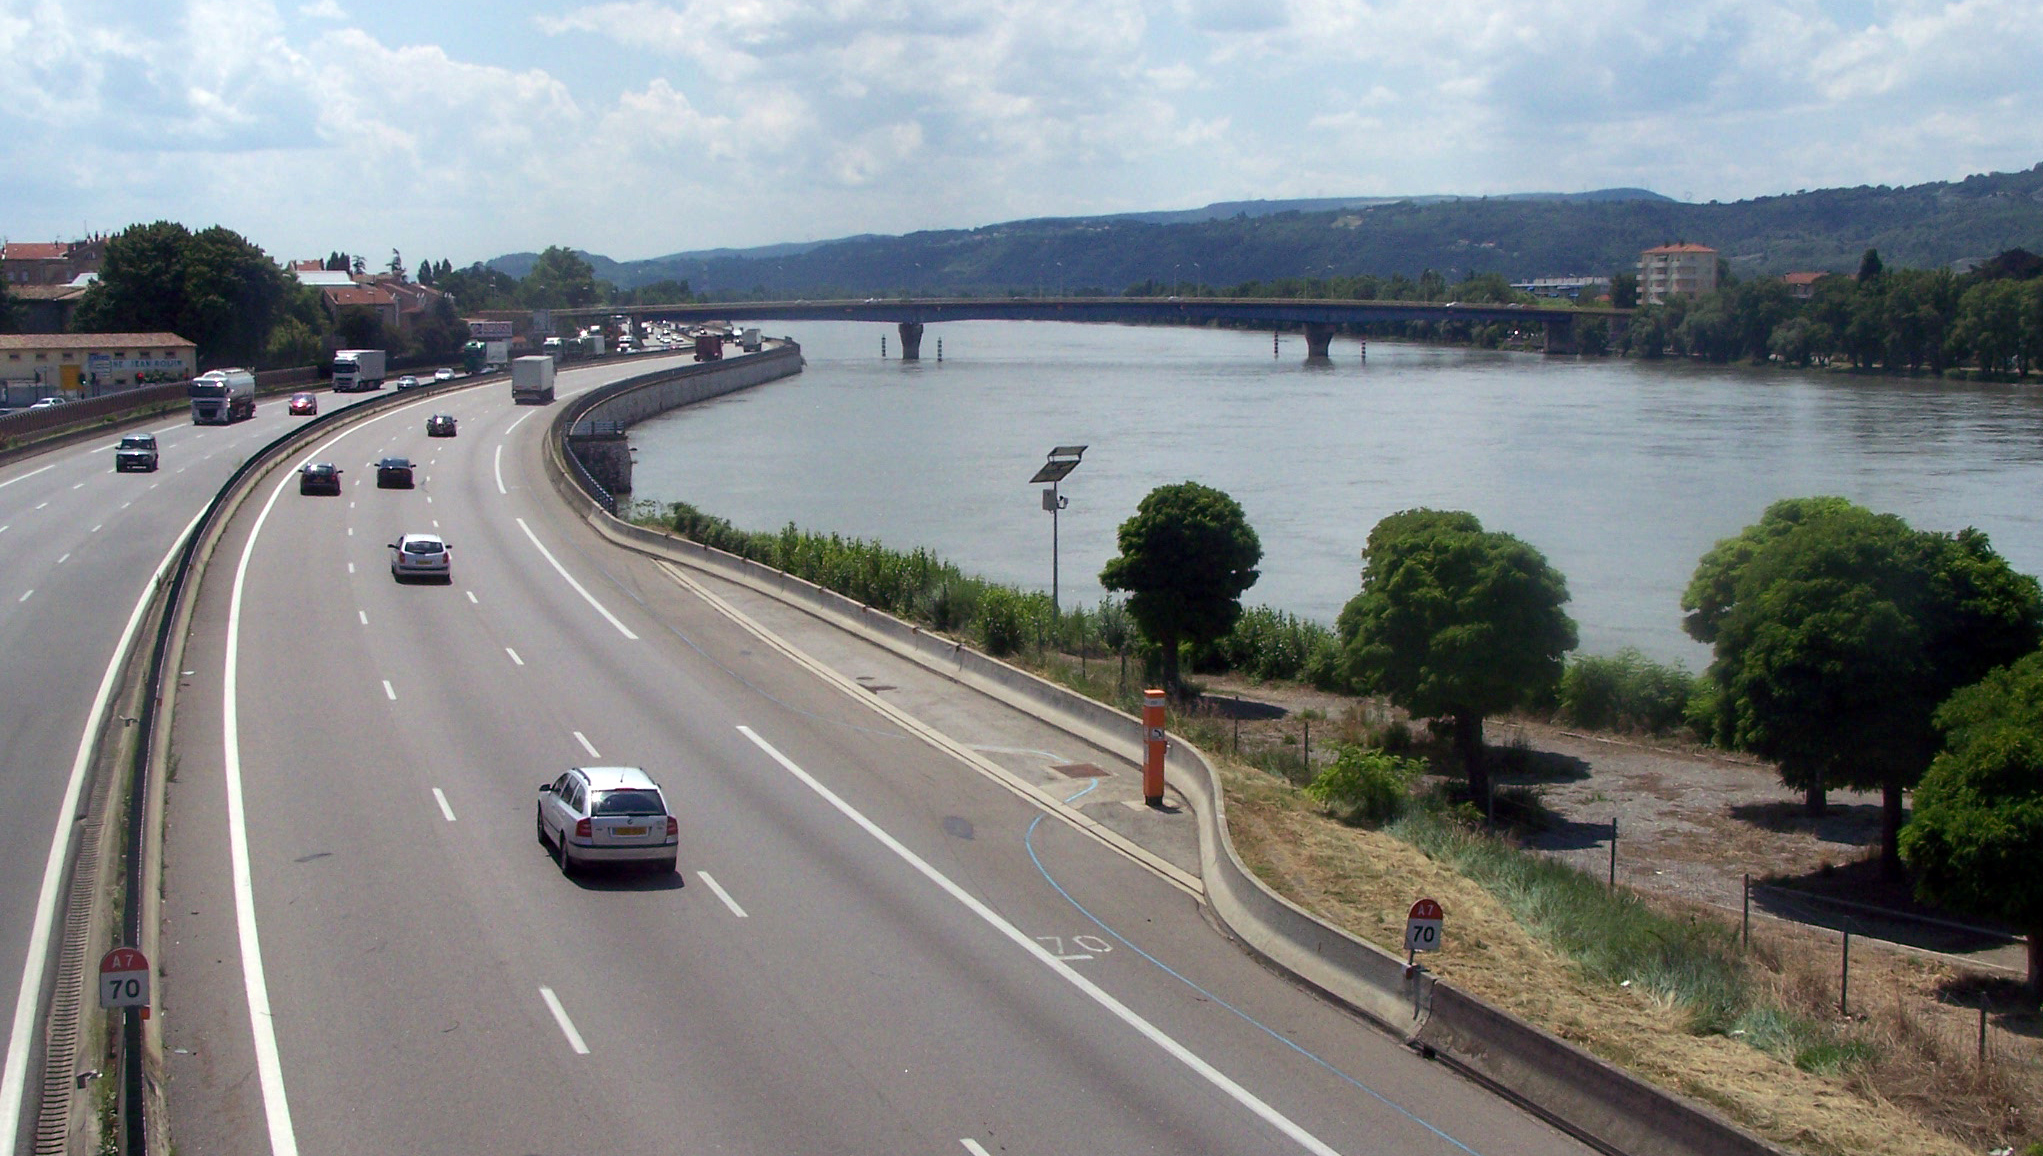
1597,1102
139,1094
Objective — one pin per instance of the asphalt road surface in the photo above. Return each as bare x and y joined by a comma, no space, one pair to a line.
79,544
868,948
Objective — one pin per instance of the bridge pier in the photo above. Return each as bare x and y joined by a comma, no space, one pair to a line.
1560,335
1318,339
911,340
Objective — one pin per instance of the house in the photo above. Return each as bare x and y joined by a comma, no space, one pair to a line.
1680,268
24,263
90,364
375,298
1802,286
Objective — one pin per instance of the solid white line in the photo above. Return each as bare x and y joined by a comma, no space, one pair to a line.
514,656
14,1076
972,1146
1121,1011
507,429
363,615
723,895
500,468
441,798
388,692
53,465
579,589
587,745
567,1026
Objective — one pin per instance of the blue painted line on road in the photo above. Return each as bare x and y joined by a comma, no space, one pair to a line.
1029,841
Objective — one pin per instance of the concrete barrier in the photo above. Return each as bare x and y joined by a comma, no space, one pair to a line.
1603,1105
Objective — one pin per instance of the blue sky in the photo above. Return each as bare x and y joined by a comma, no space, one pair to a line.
463,129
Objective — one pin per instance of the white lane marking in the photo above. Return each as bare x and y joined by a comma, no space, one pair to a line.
53,465
24,597
65,558
153,485
351,531
101,449
14,1076
441,798
579,589
972,1146
389,691
363,615
351,503
567,1026
499,467
429,499
125,505
95,529
722,894
471,596
514,656
1065,971
587,745
79,486
516,424
42,505
3,529
436,523
351,567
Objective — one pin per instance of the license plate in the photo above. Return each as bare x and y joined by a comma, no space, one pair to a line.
627,830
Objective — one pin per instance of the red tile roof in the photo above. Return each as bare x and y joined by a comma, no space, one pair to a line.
1804,278
32,251
1685,248
370,295
90,340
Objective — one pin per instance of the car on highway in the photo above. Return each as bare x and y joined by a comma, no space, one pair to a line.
394,474
593,815
421,556
303,403
135,452
407,382
443,374
46,403
319,478
440,425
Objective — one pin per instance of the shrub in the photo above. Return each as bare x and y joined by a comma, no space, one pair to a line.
1625,691
1370,785
1268,643
1001,624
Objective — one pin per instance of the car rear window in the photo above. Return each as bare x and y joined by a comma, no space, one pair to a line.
422,547
633,802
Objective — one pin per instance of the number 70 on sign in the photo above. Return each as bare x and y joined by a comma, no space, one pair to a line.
1422,926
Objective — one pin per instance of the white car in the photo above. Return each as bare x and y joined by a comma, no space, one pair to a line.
46,403
607,815
421,556
443,374
407,382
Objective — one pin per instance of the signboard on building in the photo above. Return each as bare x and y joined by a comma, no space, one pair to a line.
480,330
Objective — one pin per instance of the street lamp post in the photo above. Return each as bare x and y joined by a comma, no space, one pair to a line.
1063,460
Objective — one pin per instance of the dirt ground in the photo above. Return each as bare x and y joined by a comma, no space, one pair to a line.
1691,825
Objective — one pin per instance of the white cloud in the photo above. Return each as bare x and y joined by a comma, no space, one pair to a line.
322,10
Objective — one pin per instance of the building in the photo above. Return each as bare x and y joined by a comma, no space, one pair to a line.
24,263
1802,286
1676,269
90,364
397,303
46,308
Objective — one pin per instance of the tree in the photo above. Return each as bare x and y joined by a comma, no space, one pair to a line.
479,287
359,327
1456,622
397,264
141,283
215,287
1837,632
560,279
427,273
1989,324
1186,556
1624,290
8,309
1978,820
1870,267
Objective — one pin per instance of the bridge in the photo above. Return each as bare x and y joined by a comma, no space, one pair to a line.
1317,319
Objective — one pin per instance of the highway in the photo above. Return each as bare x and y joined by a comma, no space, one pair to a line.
78,546
868,948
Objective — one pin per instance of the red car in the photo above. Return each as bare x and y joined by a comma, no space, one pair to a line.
304,403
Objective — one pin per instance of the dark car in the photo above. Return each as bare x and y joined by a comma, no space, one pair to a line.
319,478
135,452
394,474
440,425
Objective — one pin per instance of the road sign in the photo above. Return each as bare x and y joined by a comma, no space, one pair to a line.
1422,926
124,978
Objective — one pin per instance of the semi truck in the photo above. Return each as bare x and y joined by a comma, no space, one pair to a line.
358,370
709,347
222,396
532,380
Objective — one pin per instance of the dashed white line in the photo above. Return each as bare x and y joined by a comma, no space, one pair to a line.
471,596
25,594
441,798
41,506
722,894
587,745
351,503
579,588
53,465
389,691
363,615
973,1147
351,567
1064,971
500,468
567,1026
125,505
95,529
351,531
79,486
514,656
65,558
429,499
436,523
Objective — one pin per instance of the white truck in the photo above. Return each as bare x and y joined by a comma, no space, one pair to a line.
532,380
749,340
222,396
358,370
496,354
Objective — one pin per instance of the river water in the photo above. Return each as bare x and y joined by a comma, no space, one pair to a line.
1622,472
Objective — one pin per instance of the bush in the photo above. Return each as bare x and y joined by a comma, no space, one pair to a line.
1001,624
1370,785
1267,643
1625,691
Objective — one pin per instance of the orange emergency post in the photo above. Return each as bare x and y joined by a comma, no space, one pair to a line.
1153,747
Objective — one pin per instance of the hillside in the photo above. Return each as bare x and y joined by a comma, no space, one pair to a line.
1519,236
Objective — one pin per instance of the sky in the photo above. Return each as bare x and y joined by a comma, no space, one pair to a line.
464,129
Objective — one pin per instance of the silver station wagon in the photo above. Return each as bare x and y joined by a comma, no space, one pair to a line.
607,815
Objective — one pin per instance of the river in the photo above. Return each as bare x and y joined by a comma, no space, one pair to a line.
1622,472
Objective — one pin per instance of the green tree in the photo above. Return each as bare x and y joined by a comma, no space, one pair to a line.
1989,324
215,287
359,327
1624,290
291,343
560,279
1186,557
1870,267
479,287
1838,631
141,283
1456,622
1973,840
8,310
